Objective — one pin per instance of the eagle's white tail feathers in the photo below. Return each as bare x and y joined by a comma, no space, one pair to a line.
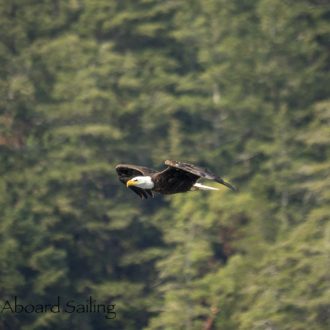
199,186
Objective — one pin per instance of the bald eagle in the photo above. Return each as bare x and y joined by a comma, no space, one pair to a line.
178,177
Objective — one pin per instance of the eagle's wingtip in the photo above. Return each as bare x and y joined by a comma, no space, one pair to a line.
227,184
231,187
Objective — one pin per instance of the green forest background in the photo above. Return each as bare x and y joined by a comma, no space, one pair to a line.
240,87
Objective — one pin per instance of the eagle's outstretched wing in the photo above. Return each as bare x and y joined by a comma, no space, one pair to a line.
194,172
128,171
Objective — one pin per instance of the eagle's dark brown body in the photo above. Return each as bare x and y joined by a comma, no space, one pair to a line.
177,181
178,177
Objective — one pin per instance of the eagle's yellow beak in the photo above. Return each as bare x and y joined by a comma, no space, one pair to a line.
130,183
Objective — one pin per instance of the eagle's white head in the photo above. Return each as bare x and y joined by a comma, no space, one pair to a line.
143,182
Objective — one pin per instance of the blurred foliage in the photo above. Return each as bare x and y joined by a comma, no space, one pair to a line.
237,86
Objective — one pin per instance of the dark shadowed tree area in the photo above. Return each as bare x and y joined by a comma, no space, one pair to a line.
240,87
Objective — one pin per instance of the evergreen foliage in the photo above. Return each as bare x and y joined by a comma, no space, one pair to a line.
241,87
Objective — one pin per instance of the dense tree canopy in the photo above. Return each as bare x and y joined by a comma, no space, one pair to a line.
241,87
